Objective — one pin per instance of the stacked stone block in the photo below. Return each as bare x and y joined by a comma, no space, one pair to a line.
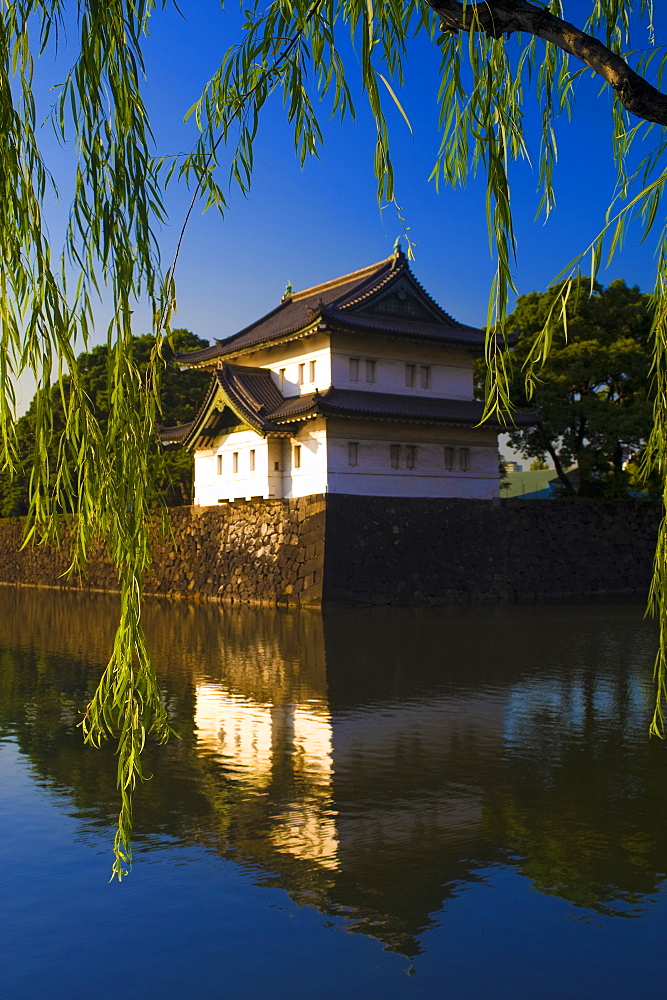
261,552
435,551
347,550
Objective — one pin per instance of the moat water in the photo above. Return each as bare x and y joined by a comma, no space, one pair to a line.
372,804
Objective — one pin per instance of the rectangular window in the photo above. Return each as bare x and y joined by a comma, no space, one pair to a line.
370,371
411,456
354,369
352,453
395,455
276,466
311,366
464,459
449,458
252,459
281,379
297,456
235,461
410,375
302,374
425,374
219,464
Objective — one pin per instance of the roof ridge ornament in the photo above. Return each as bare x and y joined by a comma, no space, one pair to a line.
398,250
287,294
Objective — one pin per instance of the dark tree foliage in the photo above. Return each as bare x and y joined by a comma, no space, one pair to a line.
181,393
593,391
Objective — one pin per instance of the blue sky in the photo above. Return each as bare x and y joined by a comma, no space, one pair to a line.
306,226
310,225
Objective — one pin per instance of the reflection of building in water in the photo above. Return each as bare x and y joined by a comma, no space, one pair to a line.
355,791
307,827
238,730
375,765
263,746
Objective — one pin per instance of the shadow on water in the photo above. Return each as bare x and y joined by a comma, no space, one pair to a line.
368,762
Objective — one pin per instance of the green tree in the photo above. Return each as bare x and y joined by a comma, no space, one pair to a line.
497,57
592,391
180,395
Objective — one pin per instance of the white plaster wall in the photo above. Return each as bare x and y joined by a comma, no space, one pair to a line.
325,463
267,481
374,475
451,368
314,347
210,488
204,478
275,468
312,476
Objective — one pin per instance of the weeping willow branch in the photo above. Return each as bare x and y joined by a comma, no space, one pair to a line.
126,706
656,458
102,474
504,17
203,161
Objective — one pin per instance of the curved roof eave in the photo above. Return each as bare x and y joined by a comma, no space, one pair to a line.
369,405
345,300
467,338
226,391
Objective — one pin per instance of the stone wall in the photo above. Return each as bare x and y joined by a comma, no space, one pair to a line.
394,551
265,552
346,550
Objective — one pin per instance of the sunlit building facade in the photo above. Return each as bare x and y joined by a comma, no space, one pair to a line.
362,385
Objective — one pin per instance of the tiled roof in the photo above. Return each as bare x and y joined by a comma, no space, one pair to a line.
468,336
250,392
175,435
389,406
353,302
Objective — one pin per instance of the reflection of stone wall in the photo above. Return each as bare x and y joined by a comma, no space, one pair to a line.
264,654
379,551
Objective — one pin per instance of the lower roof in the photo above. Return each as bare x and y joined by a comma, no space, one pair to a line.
248,396
390,406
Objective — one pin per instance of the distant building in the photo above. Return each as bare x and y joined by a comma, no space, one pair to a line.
361,385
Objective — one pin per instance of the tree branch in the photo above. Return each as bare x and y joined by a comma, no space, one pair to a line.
502,17
549,448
